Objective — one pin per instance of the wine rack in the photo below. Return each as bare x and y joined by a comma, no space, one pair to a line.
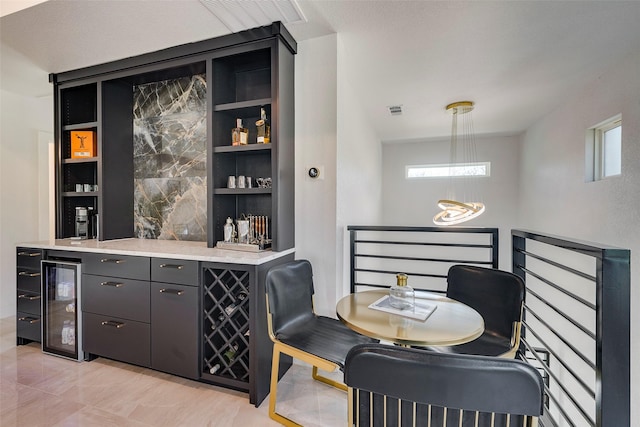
226,331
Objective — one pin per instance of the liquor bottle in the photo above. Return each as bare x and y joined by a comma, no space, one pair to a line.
228,230
401,295
263,128
239,135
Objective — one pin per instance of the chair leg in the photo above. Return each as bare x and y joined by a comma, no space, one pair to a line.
273,392
329,381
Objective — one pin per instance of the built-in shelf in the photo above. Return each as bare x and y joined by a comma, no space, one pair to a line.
80,194
76,161
243,104
77,126
238,191
241,148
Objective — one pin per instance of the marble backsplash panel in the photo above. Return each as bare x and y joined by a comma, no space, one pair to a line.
170,159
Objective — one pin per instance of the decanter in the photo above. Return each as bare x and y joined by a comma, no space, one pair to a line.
401,295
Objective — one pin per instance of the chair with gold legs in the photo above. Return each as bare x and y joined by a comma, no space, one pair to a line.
397,386
499,298
297,331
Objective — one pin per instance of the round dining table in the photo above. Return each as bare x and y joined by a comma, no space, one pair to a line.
451,323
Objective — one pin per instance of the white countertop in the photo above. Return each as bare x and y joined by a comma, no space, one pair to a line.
197,251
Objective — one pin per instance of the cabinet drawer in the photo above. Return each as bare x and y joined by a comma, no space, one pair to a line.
174,271
28,258
28,279
28,326
124,298
174,329
29,302
119,339
130,267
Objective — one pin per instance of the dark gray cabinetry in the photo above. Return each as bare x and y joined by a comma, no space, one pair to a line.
175,296
236,349
28,294
244,72
116,307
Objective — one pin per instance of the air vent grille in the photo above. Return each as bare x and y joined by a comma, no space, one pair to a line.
395,110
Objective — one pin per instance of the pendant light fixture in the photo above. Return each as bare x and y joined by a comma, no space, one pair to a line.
462,203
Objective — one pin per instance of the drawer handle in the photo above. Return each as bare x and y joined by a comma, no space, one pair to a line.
176,266
31,320
29,297
171,291
30,254
113,260
26,273
112,284
113,324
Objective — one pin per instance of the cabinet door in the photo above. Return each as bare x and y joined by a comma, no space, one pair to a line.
174,329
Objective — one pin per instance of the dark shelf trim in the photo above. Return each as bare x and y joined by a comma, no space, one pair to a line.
80,194
77,126
274,30
241,148
241,191
242,104
80,161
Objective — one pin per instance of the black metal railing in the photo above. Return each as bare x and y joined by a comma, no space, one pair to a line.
378,253
576,326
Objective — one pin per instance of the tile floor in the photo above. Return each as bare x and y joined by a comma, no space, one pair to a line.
42,390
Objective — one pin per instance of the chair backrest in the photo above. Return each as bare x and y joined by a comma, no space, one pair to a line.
385,382
497,295
289,290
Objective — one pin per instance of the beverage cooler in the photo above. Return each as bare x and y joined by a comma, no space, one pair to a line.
61,313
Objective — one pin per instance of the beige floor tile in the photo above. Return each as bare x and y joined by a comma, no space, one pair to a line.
43,390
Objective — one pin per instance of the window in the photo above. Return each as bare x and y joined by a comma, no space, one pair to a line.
604,150
477,169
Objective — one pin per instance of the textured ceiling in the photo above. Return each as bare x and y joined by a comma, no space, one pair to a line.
518,60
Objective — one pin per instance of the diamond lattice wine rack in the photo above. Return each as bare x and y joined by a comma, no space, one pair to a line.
226,323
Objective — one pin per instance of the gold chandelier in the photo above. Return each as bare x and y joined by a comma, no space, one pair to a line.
455,210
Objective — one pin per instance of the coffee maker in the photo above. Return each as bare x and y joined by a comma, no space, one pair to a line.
82,222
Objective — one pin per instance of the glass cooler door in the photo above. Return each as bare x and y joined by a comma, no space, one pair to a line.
61,315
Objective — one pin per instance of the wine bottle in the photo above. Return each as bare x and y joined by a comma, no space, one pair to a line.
215,368
231,353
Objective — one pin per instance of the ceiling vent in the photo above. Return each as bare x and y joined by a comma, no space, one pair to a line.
395,110
243,15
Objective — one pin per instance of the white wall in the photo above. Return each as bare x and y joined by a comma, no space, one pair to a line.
316,145
331,133
554,197
359,173
22,207
414,202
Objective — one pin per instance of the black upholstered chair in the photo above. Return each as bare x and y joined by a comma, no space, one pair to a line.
499,298
297,331
397,386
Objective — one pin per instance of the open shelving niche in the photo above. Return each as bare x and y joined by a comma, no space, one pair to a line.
242,85
78,112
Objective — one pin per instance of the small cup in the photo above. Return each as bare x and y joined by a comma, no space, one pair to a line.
249,182
79,188
241,181
88,188
231,183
